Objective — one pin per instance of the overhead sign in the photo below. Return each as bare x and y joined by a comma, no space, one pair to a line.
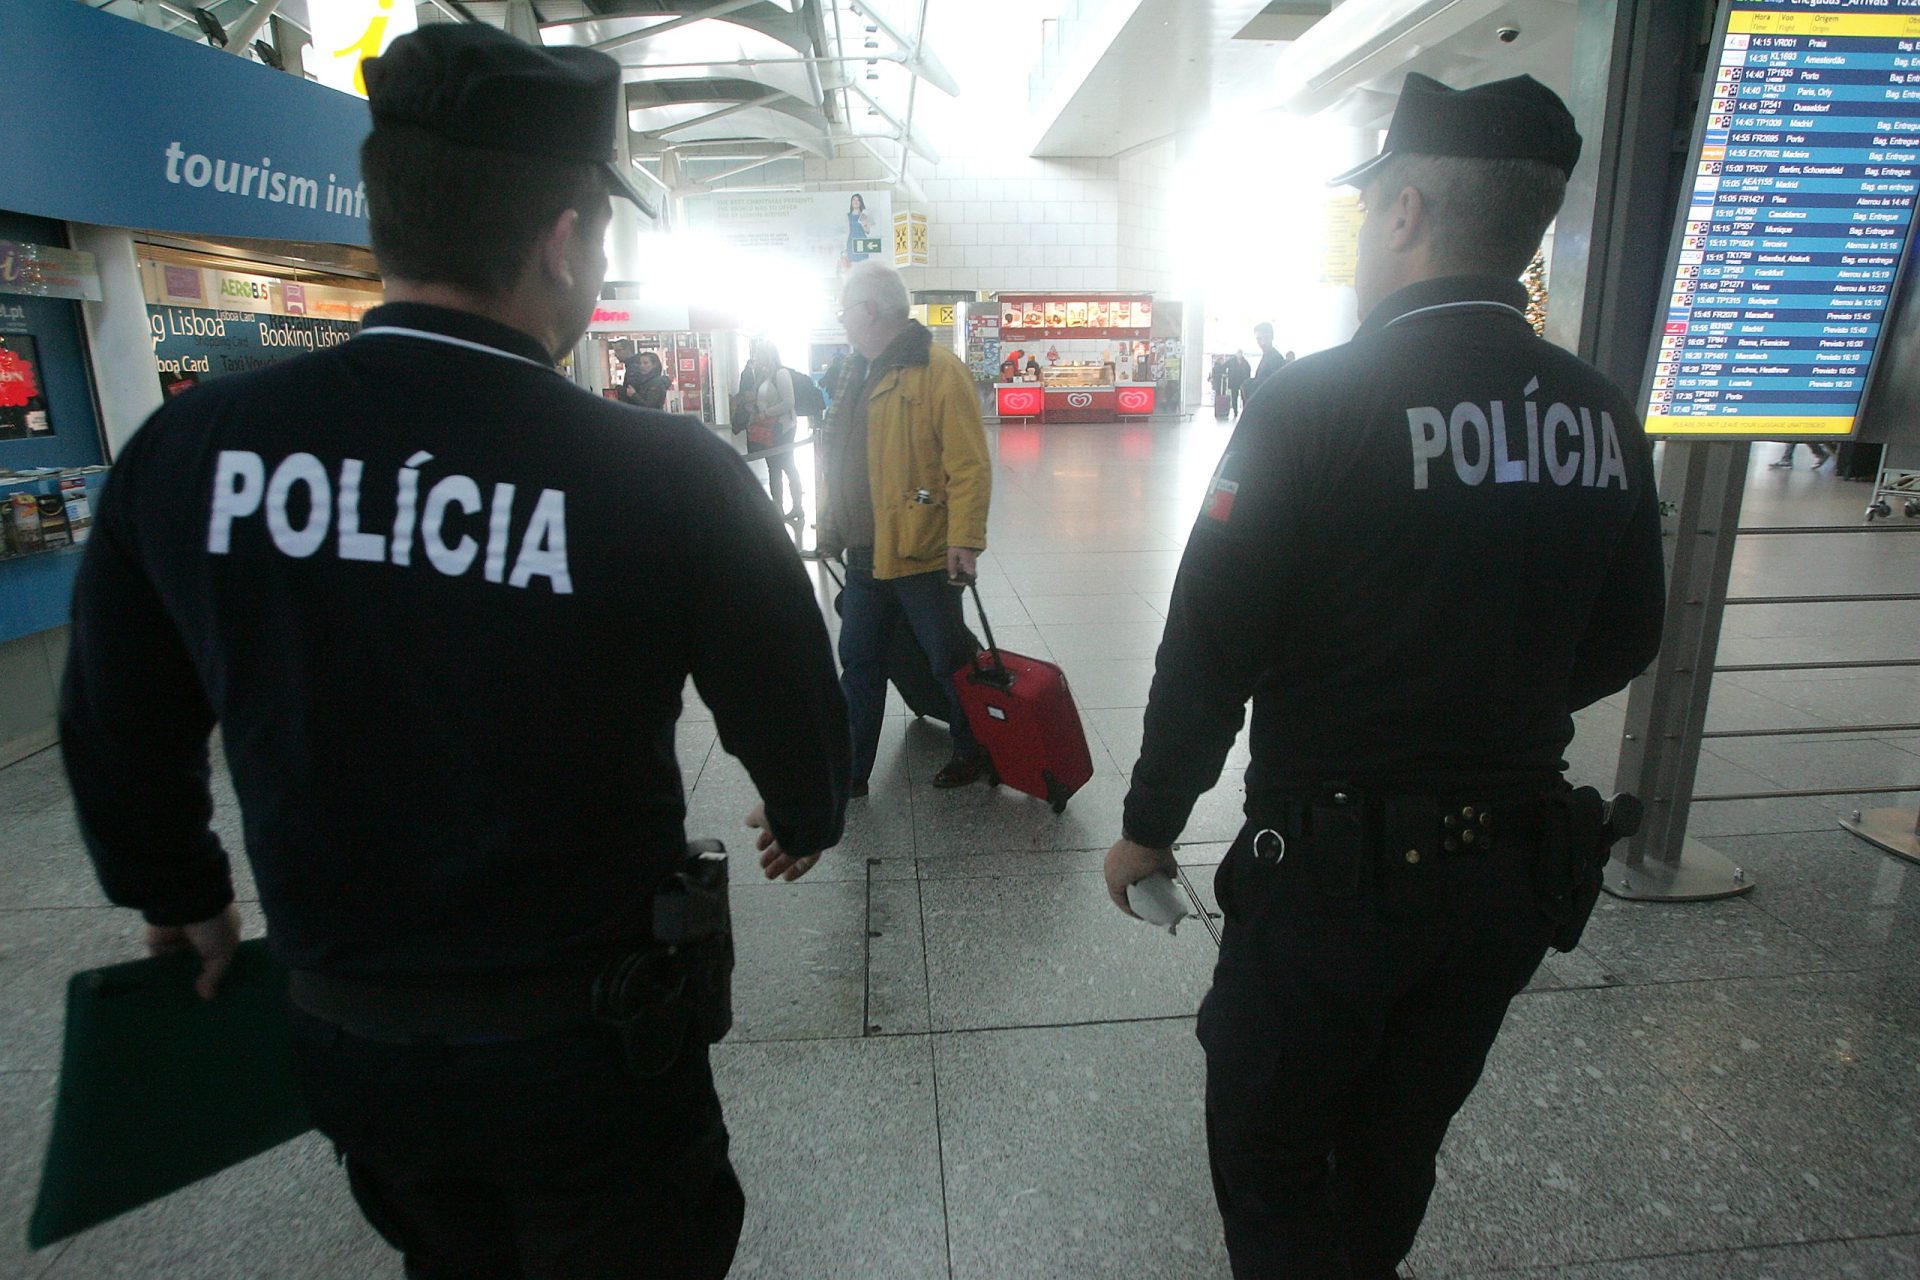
174,136
348,32
828,231
1790,240
911,244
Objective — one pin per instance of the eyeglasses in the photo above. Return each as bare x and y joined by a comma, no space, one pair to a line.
842,314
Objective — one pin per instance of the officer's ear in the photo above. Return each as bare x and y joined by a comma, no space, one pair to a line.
1405,217
555,255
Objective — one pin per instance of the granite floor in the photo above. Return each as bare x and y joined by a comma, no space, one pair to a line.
953,1059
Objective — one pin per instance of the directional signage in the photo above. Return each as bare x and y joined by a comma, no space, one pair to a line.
1792,235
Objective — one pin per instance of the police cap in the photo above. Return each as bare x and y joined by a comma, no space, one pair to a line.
1514,119
475,84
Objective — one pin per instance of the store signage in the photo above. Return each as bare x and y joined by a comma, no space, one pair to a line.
23,397
1340,254
1029,318
191,344
827,231
636,316
169,285
45,272
1789,241
348,32
1079,399
143,146
1135,400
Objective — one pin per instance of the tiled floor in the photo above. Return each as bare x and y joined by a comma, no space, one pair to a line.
953,1059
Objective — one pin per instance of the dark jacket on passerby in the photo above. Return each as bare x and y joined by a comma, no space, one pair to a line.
647,383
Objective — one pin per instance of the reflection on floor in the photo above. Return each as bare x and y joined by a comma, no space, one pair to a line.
952,1058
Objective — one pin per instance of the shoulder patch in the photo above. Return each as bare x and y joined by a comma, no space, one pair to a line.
1219,506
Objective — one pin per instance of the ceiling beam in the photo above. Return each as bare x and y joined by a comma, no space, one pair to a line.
720,10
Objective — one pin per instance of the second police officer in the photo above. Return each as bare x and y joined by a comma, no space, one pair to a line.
1422,551
442,605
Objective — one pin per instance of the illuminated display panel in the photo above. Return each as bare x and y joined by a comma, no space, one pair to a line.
1795,227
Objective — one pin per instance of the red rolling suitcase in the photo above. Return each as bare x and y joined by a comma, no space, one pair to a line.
1023,713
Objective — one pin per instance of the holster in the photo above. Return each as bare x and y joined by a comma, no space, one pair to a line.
1575,840
679,987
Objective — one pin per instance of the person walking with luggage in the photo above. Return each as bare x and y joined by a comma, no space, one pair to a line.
443,604
1415,606
908,485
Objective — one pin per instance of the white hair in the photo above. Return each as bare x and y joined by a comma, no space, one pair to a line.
881,285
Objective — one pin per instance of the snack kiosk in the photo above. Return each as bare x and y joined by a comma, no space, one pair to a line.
1081,357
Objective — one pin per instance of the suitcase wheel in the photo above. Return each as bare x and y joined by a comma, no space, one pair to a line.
1057,795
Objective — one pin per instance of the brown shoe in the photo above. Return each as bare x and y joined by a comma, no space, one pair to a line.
963,771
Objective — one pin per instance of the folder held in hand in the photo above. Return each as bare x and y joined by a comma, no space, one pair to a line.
159,1088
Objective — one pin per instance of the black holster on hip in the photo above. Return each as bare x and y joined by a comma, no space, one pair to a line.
679,987
1578,830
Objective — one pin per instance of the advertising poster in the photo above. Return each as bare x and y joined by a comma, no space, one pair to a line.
191,345
23,398
830,231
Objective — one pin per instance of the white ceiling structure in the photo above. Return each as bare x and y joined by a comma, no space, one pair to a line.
736,93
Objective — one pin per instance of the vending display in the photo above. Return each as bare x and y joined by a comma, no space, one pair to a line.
1805,171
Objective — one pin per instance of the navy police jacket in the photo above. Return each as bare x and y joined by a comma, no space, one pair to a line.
442,604
1422,551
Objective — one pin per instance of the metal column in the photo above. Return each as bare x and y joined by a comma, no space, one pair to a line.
1667,709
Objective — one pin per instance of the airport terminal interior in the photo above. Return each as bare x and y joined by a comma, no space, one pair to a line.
951,1056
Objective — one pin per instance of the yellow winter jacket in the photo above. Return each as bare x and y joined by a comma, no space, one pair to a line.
924,436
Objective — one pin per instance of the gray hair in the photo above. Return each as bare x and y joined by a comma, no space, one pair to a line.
1483,215
881,285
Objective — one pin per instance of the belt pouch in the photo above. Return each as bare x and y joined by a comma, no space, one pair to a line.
680,985
1569,861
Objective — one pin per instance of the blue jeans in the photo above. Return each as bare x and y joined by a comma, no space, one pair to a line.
868,609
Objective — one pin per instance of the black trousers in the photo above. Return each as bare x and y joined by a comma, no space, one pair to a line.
1341,1035
535,1159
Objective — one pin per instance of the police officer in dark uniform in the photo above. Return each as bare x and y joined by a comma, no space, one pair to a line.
1421,553
443,604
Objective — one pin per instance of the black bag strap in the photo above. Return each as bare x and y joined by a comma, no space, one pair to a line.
1000,676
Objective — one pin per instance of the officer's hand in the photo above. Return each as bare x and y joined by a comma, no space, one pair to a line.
213,940
773,859
1129,863
963,565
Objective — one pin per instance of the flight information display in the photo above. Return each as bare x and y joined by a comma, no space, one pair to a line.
1794,234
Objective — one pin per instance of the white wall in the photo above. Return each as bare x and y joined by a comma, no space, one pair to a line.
1007,222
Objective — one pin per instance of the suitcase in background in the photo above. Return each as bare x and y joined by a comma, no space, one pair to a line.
1022,712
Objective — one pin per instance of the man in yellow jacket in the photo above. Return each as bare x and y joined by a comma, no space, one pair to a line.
907,485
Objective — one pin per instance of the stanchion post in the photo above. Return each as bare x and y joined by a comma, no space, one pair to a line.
1702,482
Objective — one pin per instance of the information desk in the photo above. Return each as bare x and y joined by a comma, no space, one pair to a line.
1033,401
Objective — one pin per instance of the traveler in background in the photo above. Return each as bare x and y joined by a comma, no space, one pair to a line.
1415,633
1238,371
442,605
646,384
908,483
769,384
1271,361
1820,452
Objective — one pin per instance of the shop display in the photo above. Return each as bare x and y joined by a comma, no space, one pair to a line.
23,399
78,508
22,514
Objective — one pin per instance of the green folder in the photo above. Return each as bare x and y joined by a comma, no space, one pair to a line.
159,1088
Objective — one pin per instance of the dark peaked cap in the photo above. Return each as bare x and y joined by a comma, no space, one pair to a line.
475,84
1515,119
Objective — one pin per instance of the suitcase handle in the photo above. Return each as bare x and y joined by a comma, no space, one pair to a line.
999,677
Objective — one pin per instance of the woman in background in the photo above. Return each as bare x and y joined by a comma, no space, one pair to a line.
646,382
771,386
